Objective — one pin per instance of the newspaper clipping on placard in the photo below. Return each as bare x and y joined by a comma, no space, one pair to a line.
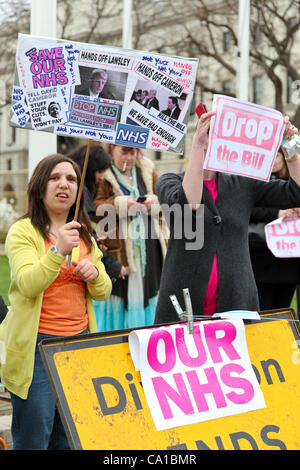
104,93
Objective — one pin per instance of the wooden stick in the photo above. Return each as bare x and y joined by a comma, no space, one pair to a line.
86,160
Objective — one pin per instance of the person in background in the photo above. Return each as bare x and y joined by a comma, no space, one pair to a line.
138,238
276,278
152,101
219,275
47,299
144,97
137,96
99,161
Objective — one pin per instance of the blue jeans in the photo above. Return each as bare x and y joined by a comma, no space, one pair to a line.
36,424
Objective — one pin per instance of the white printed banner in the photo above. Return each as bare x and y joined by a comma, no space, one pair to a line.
244,138
104,93
283,237
190,378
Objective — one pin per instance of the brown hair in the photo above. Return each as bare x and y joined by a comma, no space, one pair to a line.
284,172
36,191
99,160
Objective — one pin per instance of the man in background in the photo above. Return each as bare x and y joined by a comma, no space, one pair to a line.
152,101
173,109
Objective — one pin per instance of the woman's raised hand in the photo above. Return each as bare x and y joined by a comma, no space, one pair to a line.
290,129
201,134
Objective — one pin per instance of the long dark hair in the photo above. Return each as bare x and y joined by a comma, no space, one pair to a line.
99,160
36,191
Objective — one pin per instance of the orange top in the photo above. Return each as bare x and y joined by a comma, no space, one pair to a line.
64,310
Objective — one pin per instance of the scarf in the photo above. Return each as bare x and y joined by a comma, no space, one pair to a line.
137,223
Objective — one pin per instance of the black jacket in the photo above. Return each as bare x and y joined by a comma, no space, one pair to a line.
266,267
3,309
225,233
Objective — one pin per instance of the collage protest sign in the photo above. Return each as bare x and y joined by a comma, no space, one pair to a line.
191,378
103,93
283,237
244,138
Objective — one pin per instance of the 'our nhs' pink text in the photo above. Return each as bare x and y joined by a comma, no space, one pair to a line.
214,370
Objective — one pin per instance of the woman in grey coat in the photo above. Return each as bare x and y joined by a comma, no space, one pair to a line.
218,275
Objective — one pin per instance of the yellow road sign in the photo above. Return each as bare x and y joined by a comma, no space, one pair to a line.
103,406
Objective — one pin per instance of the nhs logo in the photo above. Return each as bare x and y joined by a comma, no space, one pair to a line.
131,136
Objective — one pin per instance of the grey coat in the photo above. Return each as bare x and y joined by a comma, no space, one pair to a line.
225,232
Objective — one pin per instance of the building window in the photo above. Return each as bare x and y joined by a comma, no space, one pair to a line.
292,21
9,167
289,89
257,35
227,41
11,136
258,90
227,87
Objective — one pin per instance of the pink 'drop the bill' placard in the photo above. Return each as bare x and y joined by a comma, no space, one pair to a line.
191,378
244,138
283,237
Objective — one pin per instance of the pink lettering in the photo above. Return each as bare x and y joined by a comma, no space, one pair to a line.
50,79
170,354
223,153
180,396
182,350
225,342
200,390
38,81
59,64
85,106
236,382
286,227
247,127
36,68
62,78
252,159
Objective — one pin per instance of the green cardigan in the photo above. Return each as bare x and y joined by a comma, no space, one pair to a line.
32,271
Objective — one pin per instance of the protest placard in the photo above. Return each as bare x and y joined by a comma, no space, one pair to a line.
103,93
191,378
19,110
283,237
244,138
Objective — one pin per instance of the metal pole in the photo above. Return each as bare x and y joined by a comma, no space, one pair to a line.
127,24
243,50
42,23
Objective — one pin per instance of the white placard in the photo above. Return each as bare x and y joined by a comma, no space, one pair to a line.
283,237
126,97
190,378
244,138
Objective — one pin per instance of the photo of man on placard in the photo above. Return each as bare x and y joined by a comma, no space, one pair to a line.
54,109
100,83
173,110
152,101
